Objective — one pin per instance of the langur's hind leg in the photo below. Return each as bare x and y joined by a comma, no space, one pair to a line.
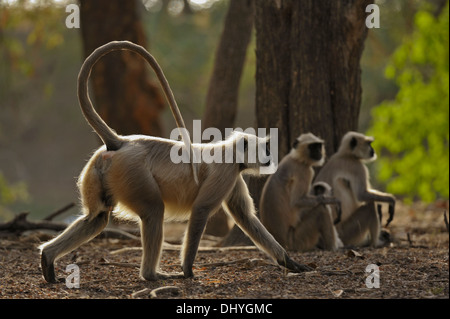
144,198
361,228
95,218
80,231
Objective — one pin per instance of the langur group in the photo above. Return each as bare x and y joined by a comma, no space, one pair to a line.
134,175
335,209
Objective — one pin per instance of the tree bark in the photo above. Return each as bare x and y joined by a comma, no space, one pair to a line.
312,84
308,75
223,91
125,96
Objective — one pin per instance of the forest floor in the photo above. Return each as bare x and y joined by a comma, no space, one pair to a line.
415,265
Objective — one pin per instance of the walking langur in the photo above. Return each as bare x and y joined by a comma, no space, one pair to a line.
137,173
348,176
295,217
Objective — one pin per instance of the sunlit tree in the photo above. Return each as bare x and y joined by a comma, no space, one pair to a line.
412,131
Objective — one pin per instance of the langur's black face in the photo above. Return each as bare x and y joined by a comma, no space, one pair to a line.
319,190
315,151
362,149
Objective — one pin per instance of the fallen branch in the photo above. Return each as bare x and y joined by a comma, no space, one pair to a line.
20,223
59,211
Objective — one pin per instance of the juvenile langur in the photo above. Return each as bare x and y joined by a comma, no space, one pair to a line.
316,229
348,176
287,203
137,173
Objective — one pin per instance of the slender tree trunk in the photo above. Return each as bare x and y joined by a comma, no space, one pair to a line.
125,96
308,75
222,96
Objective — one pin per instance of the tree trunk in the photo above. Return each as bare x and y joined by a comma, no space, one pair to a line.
314,83
125,96
308,75
222,96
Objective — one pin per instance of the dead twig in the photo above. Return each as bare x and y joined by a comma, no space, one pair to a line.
154,293
125,250
172,247
169,289
140,293
411,243
335,272
59,211
249,262
118,264
408,237
117,234
446,220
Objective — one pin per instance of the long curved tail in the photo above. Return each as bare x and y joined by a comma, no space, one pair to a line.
109,137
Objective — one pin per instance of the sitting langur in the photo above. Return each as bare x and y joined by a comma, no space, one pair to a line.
319,219
137,172
348,176
295,217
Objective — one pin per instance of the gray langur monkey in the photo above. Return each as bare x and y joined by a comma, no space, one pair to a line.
316,229
295,217
137,174
348,176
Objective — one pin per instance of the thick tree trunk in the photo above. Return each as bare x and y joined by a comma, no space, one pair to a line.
222,96
308,75
308,68
125,96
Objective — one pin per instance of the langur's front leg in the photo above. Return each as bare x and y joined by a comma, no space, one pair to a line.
240,206
196,227
205,205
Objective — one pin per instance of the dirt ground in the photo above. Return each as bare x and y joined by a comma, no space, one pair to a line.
414,266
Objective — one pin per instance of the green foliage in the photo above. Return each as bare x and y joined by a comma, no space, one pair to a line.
29,30
412,131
